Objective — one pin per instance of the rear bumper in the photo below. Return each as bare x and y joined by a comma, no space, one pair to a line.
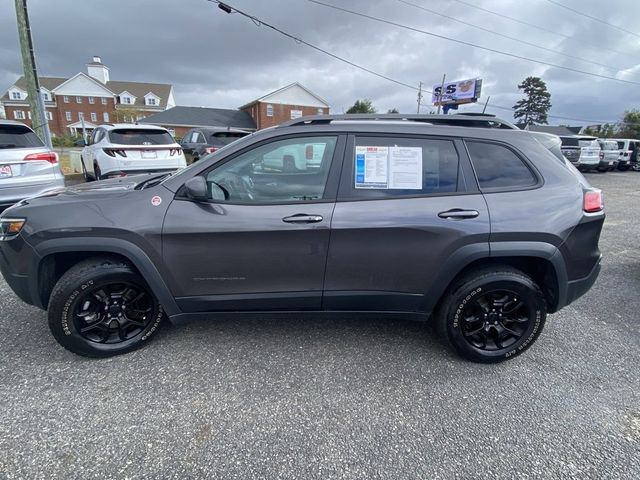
577,288
10,195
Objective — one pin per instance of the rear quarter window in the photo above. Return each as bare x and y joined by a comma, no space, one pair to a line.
18,136
499,167
139,136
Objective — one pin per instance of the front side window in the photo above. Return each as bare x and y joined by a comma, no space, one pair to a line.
497,166
383,167
285,171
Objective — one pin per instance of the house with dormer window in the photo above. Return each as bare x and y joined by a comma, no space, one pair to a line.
87,99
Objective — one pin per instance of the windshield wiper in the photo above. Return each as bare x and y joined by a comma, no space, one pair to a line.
150,182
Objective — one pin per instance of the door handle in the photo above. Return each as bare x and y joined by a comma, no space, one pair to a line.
302,218
459,214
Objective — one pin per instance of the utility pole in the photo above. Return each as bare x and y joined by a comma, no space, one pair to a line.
441,92
39,119
419,96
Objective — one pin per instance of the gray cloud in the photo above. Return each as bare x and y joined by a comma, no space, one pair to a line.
216,59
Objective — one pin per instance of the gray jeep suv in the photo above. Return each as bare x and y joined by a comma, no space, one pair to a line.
462,219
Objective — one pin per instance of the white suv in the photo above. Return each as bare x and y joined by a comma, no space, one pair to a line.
116,150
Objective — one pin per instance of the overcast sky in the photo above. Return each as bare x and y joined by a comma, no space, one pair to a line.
219,60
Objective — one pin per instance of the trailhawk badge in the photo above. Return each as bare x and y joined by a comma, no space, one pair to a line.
156,200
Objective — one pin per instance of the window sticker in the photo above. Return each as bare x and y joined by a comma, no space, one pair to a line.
405,168
372,167
386,168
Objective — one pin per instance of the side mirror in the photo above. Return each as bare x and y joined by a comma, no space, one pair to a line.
196,189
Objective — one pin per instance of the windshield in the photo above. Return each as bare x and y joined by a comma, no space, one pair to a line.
18,136
139,136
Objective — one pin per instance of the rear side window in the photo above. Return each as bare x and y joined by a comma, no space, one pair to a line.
497,166
18,136
384,167
139,136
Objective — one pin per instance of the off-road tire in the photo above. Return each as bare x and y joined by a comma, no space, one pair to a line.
74,287
475,286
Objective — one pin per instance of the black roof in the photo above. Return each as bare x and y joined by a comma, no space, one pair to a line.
202,117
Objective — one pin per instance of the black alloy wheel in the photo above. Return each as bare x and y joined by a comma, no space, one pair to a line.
113,313
495,320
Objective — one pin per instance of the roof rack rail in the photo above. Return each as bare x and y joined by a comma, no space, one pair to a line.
481,120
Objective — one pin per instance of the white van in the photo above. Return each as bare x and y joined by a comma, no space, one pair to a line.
582,151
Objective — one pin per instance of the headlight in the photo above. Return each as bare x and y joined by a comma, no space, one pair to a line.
10,227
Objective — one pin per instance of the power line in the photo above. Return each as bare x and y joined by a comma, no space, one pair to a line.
299,40
538,27
258,22
596,19
515,39
470,44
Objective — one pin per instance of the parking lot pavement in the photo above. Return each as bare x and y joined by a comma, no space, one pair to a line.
312,397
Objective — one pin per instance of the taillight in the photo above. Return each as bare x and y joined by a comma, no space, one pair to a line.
601,155
175,151
593,201
210,149
50,157
112,152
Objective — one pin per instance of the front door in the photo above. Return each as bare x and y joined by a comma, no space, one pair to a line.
404,209
261,241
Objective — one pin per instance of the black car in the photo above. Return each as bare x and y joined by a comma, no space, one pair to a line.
202,141
478,226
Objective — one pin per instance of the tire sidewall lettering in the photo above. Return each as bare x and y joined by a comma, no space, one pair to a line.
456,316
67,306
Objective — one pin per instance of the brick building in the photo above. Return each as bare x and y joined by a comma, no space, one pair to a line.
91,98
286,103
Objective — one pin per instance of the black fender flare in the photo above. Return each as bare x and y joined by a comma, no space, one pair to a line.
118,246
466,255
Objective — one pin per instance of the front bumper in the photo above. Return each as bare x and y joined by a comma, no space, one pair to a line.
19,283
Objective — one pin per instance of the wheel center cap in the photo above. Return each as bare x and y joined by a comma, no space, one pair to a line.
492,317
114,310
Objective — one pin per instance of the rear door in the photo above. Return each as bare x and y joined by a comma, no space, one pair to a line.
24,160
406,204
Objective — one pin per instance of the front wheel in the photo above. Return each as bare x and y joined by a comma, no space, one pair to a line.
101,307
492,315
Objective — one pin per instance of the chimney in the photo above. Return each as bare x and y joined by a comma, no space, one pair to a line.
97,70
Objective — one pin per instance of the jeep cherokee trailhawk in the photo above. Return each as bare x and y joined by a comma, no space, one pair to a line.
463,219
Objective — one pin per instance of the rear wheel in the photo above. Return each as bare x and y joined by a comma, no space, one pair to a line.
101,307
492,315
624,168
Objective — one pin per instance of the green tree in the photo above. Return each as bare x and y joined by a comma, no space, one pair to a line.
630,125
393,110
533,109
362,106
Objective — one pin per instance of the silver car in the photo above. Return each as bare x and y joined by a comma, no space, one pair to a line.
27,167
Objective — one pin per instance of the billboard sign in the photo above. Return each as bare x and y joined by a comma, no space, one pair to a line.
459,92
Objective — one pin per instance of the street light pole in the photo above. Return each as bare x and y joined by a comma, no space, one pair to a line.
39,119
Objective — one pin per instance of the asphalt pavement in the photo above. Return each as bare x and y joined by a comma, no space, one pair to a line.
355,397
